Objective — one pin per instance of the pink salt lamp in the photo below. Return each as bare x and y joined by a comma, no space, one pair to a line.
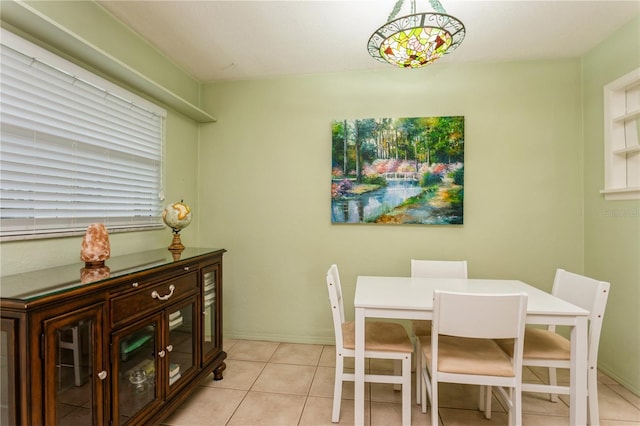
95,246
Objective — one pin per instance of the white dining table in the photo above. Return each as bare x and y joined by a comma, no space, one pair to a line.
412,298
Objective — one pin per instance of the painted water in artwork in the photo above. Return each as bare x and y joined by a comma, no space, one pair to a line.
398,170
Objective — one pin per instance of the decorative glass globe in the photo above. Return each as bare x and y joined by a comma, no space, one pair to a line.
177,216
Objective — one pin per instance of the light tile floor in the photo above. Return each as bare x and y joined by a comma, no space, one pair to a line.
270,383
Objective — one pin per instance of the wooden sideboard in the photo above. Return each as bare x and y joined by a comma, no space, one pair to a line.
124,344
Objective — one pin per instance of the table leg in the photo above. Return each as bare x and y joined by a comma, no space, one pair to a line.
358,414
578,374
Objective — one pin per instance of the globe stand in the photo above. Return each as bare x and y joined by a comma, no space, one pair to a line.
176,248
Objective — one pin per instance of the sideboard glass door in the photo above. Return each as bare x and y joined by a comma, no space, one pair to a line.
73,350
210,339
181,347
8,384
135,363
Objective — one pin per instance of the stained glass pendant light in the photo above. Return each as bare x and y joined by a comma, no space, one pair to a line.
416,40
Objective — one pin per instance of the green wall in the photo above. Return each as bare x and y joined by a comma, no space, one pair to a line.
612,228
264,177
99,28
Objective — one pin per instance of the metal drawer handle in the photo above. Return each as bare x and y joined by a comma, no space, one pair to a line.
169,348
162,354
155,295
186,268
102,375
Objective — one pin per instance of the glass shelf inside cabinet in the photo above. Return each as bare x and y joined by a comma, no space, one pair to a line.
181,342
136,375
209,304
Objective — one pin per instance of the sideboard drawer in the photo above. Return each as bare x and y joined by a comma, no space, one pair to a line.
140,282
150,298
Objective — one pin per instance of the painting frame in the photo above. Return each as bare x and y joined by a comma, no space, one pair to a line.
407,170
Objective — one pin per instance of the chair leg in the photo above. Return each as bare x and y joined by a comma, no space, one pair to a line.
592,397
434,403
423,396
516,406
485,401
424,386
337,389
417,354
76,355
406,391
553,381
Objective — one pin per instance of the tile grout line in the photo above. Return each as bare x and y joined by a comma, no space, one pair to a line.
250,387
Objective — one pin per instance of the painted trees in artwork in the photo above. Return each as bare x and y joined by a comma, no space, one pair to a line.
421,140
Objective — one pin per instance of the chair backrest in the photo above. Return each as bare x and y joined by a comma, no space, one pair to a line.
589,294
337,305
439,268
481,316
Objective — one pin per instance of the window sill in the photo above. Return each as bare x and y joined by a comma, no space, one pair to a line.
612,194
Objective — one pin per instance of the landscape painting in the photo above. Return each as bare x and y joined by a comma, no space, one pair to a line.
398,170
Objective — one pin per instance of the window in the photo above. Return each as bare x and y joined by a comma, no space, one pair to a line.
621,131
74,148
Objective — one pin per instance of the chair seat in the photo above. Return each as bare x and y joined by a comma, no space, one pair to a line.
540,344
421,327
461,355
379,336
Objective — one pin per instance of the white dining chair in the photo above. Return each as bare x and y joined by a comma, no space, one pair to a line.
546,348
383,340
431,269
73,344
461,348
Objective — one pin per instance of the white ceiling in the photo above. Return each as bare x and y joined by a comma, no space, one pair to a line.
231,40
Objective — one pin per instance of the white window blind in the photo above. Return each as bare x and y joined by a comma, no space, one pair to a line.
74,148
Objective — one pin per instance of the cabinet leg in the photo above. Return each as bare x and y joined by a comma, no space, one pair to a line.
217,373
